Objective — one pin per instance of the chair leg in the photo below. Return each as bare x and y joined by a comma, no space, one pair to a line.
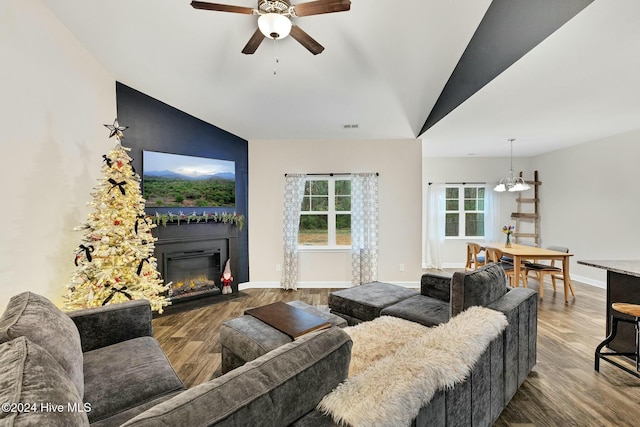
553,282
606,356
637,343
571,289
607,340
541,282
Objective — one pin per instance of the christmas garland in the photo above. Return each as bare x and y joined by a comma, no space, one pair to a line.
226,218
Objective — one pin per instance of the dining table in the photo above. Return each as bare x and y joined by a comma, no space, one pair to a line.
520,253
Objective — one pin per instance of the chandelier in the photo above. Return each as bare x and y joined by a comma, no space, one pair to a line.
511,182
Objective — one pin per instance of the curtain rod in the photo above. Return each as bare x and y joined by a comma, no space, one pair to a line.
330,174
463,183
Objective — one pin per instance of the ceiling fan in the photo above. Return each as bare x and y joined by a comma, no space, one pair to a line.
275,19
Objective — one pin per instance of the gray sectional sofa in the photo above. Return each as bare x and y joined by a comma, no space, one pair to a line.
104,368
503,367
101,367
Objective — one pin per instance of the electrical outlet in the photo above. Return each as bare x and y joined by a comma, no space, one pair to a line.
401,267
277,267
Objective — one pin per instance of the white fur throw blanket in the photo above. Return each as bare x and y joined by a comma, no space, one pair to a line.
397,366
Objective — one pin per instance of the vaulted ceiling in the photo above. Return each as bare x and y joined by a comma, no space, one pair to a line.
395,69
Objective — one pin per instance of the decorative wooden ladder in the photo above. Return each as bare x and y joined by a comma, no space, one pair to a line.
528,216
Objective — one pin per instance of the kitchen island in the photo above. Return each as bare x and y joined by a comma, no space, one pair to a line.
623,285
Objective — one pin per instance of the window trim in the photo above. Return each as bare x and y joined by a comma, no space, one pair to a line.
331,216
461,211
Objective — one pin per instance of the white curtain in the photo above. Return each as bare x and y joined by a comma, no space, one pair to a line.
364,228
491,216
435,225
293,194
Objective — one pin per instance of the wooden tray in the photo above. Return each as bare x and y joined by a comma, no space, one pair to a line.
287,319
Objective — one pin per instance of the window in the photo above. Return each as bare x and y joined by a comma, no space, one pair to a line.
325,215
464,211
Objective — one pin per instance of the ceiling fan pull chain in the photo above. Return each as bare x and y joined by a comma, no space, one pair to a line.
275,53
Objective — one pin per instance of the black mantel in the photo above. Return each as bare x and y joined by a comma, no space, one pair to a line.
197,236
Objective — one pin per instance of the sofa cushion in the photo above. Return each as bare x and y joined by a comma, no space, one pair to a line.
35,317
478,287
31,377
420,309
366,301
274,390
124,375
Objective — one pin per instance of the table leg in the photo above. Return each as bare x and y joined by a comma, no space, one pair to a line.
566,278
516,270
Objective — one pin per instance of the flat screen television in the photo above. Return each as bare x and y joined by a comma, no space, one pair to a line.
181,181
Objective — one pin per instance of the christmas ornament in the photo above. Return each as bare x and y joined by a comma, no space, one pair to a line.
116,129
227,278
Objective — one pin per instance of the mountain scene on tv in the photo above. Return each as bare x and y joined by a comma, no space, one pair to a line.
173,180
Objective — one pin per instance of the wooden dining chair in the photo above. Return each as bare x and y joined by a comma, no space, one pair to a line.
474,259
549,269
496,255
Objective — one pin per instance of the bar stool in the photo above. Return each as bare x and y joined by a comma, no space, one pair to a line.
631,310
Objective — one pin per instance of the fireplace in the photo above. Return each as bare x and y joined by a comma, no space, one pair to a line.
193,273
192,257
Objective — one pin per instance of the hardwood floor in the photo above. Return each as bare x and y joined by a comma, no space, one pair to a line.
562,390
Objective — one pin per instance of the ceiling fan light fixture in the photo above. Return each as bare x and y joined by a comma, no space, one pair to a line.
274,25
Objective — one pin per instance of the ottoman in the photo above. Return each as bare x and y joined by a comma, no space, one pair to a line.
365,302
246,338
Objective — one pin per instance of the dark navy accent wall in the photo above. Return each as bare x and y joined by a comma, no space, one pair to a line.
154,125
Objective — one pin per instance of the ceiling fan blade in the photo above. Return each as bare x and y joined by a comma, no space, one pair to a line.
221,7
306,40
322,6
253,43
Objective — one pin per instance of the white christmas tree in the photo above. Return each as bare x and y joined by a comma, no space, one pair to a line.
115,262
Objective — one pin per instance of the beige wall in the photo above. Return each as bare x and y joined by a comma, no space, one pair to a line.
590,201
473,169
55,98
399,165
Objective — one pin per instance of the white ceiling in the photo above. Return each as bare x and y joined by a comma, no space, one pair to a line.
381,69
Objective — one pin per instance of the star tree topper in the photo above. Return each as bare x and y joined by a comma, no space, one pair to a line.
116,129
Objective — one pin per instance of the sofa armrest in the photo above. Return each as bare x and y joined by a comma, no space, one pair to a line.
520,305
512,300
275,389
436,285
113,323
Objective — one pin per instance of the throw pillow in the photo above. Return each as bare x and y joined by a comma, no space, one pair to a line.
35,317
35,390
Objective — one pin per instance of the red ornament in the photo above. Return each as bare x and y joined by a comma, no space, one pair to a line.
119,163
116,222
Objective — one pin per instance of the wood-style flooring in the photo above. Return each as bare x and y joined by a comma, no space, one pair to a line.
562,390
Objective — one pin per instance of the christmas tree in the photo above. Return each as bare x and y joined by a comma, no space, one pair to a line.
115,262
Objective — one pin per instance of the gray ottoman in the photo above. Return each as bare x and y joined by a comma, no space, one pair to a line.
246,338
365,302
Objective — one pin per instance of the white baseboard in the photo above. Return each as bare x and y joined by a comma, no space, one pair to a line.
589,281
317,285
307,285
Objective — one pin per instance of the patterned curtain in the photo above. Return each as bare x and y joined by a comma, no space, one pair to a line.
293,194
364,228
